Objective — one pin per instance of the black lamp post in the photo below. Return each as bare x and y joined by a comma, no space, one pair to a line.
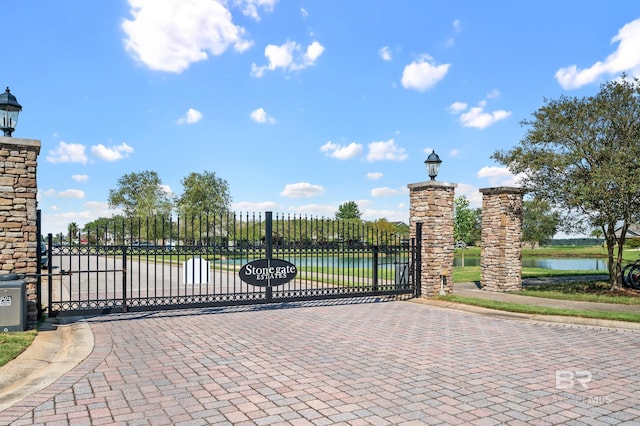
9,109
433,164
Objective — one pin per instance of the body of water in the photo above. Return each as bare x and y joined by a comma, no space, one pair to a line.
561,264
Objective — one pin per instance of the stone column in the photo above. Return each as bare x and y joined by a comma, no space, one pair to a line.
18,214
501,246
432,204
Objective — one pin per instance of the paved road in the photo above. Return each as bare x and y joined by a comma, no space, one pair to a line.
342,362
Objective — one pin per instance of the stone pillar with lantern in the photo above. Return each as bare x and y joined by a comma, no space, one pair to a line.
19,252
432,204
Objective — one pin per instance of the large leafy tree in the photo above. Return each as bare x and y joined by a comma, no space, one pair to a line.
204,198
466,221
582,156
384,232
539,222
348,210
140,195
203,194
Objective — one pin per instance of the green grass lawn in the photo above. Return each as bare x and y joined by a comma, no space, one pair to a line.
472,273
14,343
587,290
541,310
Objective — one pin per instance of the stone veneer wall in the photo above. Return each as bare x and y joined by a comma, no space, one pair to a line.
18,214
432,203
501,242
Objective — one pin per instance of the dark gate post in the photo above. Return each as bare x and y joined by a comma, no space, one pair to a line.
39,268
374,267
124,278
268,238
416,267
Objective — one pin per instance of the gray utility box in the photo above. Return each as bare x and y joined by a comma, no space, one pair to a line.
13,303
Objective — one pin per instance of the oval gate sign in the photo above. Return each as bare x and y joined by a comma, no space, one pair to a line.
263,273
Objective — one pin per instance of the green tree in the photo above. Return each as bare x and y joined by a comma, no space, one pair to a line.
582,156
539,222
466,221
204,199
384,232
140,195
596,233
348,210
203,194
73,230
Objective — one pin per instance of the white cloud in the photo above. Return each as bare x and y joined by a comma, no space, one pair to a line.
301,190
249,206
341,152
471,192
314,50
170,35
288,58
457,26
385,192
495,93
458,107
454,152
390,215
624,59
374,175
100,208
167,189
192,116
423,74
386,150
260,116
250,7
321,210
477,117
59,222
68,153
499,176
74,194
385,53
304,13
80,178
113,153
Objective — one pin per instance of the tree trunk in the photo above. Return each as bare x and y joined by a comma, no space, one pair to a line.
615,262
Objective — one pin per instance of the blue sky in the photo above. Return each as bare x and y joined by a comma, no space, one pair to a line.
301,105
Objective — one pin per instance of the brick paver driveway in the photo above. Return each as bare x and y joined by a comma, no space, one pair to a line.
342,362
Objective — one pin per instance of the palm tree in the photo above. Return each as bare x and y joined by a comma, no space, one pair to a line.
73,229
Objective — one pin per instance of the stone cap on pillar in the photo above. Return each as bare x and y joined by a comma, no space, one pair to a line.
503,190
432,183
33,143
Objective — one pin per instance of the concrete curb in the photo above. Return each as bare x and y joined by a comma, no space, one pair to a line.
591,322
56,349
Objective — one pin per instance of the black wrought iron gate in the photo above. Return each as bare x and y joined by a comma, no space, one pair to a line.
125,265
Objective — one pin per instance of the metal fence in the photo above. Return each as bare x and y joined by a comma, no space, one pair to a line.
122,265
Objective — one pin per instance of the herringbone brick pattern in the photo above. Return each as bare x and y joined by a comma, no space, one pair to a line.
342,363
